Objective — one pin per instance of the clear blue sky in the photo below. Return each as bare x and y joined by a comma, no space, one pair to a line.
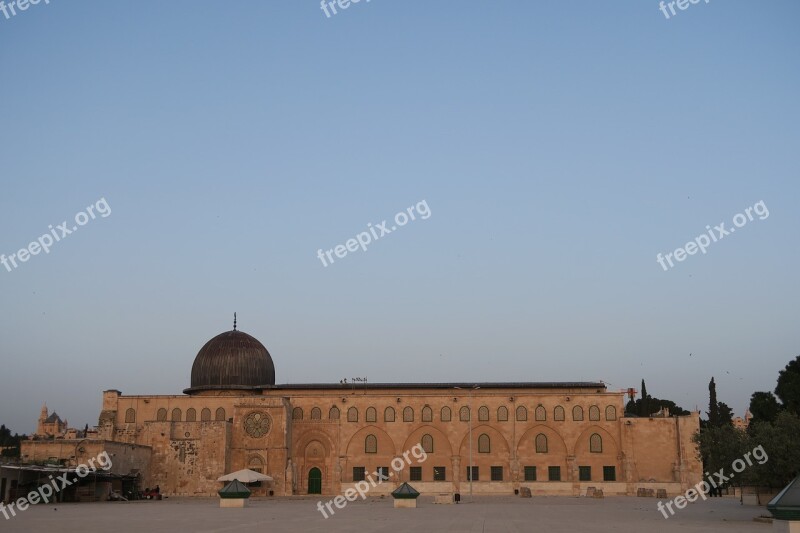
559,145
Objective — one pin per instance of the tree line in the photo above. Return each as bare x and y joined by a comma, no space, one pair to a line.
775,425
10,443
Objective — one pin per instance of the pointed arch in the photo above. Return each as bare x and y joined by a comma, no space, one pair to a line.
540,443
540,414
388,414
594,413
483,414
522,414
427,414
427,443
371,444
371,415
596,443
333,414
445,415
205,415
558,414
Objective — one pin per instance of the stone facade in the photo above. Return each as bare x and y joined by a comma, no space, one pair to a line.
286,431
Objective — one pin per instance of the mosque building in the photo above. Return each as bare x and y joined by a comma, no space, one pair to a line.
555,438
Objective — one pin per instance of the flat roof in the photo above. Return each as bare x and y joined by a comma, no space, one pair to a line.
464,386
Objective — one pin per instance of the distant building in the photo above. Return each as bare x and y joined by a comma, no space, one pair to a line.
743,423
551,437
50,425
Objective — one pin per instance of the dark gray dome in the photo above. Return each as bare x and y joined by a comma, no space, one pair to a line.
232,360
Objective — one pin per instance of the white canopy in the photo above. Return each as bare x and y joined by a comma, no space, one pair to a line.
245,476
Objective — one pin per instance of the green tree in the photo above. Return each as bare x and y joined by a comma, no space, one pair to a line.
719,446
788,389
779,442
724,414
713,406
11,441
764,407
644,406
647,405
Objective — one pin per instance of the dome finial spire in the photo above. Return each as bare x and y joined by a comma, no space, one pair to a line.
234,321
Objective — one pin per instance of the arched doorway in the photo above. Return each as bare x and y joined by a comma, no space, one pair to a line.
315,481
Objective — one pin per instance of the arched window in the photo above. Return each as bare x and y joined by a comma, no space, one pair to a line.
316,413
541,443
558,414
371,444
445,414
427,443
371,415
220,415
388,414
483,414
484,444
502,414
463,414
352,415
611,413
130,416
176,415
596,443
427,414
594,413
577,413
205,414
408,414
256,464
541,413
522,414
191,415
161,416
333,414
297,413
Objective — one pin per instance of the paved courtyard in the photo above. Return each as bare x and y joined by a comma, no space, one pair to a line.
486,514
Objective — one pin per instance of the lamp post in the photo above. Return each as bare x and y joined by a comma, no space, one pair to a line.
469,403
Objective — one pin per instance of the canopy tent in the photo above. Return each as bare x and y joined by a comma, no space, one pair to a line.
245,476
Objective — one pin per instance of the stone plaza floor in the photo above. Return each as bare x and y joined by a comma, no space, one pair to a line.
485,515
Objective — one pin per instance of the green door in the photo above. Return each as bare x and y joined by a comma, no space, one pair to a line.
314,481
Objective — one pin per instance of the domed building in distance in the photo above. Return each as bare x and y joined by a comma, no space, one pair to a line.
551,437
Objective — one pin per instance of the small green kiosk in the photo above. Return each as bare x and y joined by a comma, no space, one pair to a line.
405,496
234,494
785,508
